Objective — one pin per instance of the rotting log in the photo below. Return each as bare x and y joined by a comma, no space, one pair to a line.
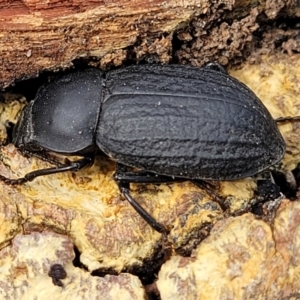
87,206
49,35
35,36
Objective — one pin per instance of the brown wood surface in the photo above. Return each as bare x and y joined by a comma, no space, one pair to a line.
38,35
43,35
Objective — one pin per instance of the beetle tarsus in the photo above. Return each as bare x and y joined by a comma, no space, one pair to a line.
9,181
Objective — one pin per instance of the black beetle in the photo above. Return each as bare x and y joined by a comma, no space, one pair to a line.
171,122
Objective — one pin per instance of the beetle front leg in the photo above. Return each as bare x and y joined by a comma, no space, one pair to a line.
73,166
287,119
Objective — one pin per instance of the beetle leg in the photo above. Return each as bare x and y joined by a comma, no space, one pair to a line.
122,175
124,188
203,185
287,119
214,65
73,166
123,180
145,177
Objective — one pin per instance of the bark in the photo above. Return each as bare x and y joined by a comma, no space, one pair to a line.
40,35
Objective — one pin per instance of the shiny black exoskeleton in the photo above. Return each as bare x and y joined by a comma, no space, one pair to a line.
171,122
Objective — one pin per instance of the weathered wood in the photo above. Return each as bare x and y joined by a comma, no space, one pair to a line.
39,35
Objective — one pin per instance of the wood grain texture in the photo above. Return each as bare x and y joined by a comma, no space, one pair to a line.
37,35
49,35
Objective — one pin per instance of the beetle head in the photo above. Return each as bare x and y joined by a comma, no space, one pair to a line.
23,131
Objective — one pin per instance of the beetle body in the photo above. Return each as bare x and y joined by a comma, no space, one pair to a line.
185,122
171,120
168,121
